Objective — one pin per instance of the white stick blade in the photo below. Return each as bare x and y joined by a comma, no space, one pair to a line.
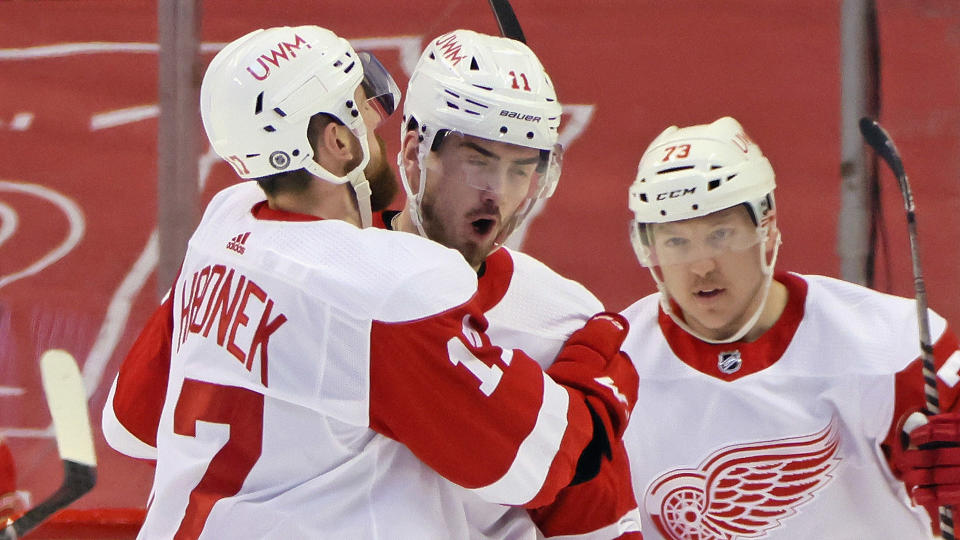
68,406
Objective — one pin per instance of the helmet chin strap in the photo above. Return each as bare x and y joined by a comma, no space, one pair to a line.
414,199
362,191
767,269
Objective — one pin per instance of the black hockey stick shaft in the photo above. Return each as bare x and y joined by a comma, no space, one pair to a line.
882,144
78,479
507,20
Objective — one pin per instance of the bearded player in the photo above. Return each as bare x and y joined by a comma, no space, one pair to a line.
479,149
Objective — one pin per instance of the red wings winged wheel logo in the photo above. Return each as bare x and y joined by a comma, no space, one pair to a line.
743,491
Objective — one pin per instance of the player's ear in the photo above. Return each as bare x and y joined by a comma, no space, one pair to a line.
409,158
337,142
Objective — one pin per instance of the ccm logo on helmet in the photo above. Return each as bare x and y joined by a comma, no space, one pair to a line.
675,193
287,51
519,116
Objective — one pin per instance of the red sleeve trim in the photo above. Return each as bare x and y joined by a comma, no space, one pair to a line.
142,382
438,386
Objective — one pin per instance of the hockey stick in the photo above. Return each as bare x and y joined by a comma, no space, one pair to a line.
507,20
71,424
882,144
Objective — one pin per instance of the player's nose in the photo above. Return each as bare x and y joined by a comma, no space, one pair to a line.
703,266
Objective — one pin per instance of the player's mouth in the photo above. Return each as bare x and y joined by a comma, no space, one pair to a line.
483,226
708,296
708,293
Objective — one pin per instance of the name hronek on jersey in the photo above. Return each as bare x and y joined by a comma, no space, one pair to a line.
213,299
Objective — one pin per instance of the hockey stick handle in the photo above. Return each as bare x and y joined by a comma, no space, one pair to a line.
507,20
78,478
882,144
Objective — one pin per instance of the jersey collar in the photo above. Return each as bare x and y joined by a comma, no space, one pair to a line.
262,210
746,358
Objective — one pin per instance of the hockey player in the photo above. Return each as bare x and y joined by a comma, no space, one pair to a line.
479,149
295,348
773,402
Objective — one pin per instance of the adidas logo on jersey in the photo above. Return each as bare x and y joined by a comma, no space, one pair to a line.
236,244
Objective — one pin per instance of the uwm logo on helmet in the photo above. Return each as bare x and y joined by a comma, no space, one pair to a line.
450,48
285,51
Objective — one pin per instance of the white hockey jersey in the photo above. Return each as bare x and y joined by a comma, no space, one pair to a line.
786,437
301,350
531,307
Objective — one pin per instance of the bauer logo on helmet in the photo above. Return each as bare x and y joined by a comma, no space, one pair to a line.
520,116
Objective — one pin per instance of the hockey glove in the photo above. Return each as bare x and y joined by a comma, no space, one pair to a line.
591,361
931,464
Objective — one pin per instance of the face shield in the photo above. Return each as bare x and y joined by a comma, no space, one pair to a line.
669,245
504,177
679,244
382,93
495,167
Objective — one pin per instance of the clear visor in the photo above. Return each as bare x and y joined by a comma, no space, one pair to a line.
507,171
669,244
508,178
381,90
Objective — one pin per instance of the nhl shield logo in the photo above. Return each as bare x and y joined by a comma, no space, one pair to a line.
729,362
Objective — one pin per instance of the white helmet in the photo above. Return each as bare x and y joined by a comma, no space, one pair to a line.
259,93
693,171
488,87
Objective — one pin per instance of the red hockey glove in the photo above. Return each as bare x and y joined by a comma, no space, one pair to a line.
11,502
931,465
591,361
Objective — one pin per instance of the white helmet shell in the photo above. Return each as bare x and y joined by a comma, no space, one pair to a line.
694,171
259,93
485,86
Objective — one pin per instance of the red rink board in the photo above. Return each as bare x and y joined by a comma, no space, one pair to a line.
633,68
